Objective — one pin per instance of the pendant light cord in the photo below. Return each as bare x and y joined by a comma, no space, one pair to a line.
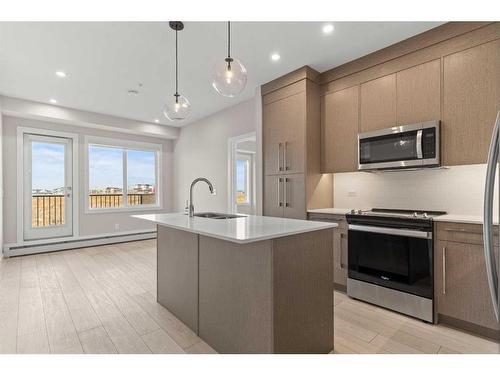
229,39
176,71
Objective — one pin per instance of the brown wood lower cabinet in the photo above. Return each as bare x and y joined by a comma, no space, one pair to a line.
461,288
339,247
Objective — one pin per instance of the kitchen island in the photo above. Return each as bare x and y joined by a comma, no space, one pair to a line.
251,284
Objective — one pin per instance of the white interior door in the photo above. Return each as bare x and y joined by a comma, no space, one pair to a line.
48,187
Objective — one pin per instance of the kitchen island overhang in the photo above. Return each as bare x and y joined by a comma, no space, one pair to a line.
248,285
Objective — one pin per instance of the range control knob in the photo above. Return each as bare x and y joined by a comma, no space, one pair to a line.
360,212
424,215
415,214
353,212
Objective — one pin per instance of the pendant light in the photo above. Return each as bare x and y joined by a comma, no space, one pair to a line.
229,76
178,108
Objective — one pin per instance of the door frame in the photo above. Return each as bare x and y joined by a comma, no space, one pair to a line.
21,131
232,147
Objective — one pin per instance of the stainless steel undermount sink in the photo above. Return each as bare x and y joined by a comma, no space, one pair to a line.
217,215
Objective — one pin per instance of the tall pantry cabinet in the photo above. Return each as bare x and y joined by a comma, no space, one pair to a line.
291,143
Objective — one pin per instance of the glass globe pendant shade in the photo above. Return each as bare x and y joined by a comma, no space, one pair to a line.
229,77
177,109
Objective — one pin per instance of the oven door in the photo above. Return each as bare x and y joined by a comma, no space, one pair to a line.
400,259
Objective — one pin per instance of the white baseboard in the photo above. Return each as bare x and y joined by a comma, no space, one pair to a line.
56,244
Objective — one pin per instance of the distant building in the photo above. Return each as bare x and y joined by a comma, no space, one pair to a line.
143,189
112,190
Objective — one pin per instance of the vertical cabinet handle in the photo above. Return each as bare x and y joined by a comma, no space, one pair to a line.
285,199
285,156
444,270
341,250
280,168
280,203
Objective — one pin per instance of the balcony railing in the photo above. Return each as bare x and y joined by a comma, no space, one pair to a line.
48,210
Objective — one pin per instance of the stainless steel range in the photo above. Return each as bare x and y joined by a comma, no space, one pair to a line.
390,259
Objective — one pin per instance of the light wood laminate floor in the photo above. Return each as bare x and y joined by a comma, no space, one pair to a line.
103,300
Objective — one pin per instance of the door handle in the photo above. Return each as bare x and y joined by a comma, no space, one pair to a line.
444,269
280,168
285,156
285,189
341,251
280,203
489,256
419,145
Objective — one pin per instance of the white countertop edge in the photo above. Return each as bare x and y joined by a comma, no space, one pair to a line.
323,226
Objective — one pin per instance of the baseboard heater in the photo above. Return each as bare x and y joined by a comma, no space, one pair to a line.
75,243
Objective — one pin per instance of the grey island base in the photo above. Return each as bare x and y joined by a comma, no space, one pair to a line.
269,293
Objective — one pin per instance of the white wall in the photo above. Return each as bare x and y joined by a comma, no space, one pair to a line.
89,224
202,151
457,190
21,108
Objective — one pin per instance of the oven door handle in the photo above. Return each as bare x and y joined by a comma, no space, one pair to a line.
392,231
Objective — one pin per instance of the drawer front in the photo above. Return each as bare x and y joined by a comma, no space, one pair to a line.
464,233
339,219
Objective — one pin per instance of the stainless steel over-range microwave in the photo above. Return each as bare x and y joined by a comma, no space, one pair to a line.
407,146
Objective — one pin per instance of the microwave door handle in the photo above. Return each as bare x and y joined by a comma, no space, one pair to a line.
420,153
489,255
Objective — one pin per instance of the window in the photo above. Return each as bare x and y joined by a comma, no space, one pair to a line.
243,191
122,175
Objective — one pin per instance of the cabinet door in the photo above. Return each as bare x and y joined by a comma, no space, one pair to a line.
419,93
339,130
273,196
340,257
461,286
378,104
283,124
294,198
272,137
294,134
471,99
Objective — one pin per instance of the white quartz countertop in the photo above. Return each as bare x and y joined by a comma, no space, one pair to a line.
467,219
449,218
240,230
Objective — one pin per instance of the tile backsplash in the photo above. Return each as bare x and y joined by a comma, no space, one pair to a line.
456,190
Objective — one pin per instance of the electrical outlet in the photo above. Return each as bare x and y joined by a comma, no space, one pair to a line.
352,193
117,226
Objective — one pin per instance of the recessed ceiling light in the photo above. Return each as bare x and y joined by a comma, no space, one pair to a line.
157,121
53,101
60,74
328,29
275,56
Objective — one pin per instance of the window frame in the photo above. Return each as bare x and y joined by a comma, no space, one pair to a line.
249,158
125,145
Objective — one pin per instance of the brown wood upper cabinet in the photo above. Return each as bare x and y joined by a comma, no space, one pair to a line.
291,132
284,117
418,93
339,121
471,99
378,104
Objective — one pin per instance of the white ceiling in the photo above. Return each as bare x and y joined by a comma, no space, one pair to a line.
103,60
